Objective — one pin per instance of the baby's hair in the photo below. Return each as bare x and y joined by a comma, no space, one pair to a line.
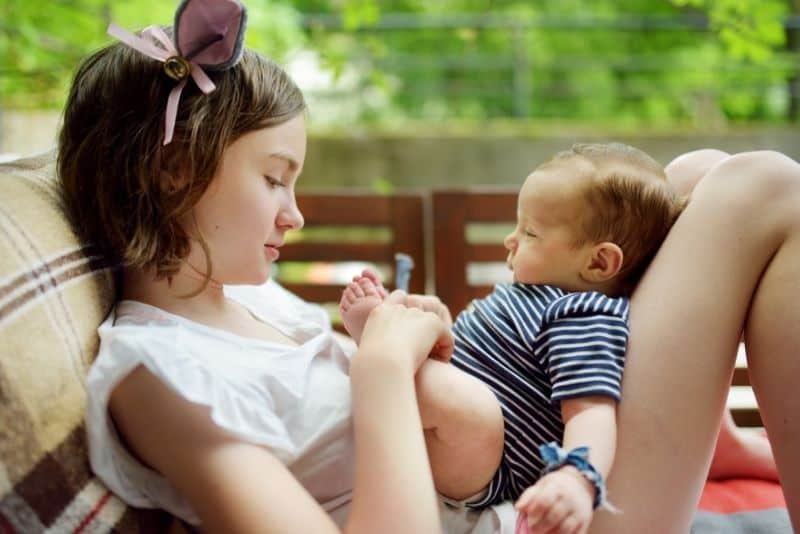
628,201
123,191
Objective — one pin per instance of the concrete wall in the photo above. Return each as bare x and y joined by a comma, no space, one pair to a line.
424,161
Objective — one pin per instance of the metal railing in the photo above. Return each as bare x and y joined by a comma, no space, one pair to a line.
506,66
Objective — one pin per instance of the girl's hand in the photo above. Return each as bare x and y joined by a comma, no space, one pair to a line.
430,303
559,503
394,330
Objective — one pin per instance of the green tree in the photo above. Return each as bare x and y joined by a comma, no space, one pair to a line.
42,41
609,60
566,58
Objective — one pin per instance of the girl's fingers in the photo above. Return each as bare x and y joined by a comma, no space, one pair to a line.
398,296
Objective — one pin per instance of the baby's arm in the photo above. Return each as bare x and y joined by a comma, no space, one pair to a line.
563,499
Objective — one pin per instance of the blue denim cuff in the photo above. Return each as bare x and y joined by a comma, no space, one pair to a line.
555,457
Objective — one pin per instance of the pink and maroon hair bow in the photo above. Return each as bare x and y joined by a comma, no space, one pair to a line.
208,35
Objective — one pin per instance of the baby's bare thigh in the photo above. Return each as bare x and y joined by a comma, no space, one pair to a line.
463,426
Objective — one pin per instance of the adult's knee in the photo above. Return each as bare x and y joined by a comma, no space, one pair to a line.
758,180
685,171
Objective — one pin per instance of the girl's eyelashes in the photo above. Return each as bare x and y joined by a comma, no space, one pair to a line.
273,182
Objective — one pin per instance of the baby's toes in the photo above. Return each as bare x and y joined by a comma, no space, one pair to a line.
348,297
369,288
356,290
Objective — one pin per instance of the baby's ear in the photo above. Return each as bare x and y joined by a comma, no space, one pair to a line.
604,262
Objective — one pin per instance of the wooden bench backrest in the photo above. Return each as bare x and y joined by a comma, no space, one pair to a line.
400,215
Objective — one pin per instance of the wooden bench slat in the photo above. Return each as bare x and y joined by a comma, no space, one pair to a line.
485,253
345,209
740,377
478,292
333,252
318,293
747,417
492,206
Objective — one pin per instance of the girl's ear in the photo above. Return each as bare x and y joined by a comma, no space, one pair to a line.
603,264
168,182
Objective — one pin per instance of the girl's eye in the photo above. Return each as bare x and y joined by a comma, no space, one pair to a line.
273,182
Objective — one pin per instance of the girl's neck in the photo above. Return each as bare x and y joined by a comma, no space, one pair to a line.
172,294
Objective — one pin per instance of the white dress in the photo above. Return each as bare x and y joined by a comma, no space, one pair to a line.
293,400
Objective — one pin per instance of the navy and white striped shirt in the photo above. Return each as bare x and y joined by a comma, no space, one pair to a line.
534,346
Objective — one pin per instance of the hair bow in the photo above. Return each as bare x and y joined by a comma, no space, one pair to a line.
208,34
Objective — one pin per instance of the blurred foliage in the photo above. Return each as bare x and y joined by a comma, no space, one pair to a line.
560,59
42,41
566,59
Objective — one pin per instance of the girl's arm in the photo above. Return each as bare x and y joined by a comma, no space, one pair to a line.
232,485
239,487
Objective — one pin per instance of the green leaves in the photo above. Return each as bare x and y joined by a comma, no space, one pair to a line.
749,29
42,41
608,60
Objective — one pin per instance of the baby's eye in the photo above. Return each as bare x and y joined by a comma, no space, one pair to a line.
529,234
273,182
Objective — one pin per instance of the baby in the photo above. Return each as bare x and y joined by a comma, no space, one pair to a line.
527,410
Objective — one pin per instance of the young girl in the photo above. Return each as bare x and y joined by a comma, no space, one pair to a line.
235,407
229,405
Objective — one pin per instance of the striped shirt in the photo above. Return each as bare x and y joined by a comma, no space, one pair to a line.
534,346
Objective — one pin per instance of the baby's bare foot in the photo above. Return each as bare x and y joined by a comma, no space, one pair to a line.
358,299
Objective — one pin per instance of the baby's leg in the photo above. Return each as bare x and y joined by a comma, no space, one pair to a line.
358,299
463,429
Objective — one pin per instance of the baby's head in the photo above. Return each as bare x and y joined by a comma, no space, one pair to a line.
124,190
592,218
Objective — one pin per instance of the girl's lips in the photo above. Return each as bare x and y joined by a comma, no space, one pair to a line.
272,252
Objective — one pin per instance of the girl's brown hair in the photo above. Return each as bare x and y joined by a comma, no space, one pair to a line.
628,202
125,192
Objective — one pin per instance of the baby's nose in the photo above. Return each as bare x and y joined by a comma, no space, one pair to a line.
509,242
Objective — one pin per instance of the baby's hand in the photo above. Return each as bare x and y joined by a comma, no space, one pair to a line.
560,502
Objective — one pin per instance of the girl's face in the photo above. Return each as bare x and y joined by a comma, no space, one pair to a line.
250,204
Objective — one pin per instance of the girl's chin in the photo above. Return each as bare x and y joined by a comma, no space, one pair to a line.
254,278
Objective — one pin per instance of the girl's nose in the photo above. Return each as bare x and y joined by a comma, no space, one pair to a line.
290,217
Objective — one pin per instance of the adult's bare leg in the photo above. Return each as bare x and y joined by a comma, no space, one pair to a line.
741,453
772,339
737,242
738,452
686,171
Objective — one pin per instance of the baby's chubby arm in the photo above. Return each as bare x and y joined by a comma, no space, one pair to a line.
562,500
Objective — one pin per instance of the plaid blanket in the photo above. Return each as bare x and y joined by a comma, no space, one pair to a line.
53,294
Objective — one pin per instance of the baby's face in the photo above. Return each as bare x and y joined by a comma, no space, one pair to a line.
541,249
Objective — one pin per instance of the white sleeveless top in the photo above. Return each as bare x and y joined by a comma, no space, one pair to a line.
295,401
